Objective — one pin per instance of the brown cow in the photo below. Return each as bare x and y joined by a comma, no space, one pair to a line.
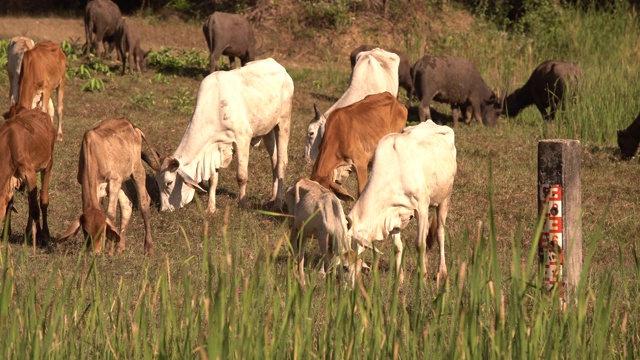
351,136
43,70
128,42
110,154
26,147
100,18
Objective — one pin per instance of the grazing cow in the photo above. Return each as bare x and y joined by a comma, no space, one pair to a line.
43,70
629,138
306,198
546,88
128,42
411,171
351,135
26,148
230,35
100,18
15,51
404,68
234,110
458,82
376,71
110,154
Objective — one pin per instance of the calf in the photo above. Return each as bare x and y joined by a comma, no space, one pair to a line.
404,68
316,212
411,171
26,148
351,135
43,70
546,88
128,42
100,18
629,138
15,52
110,154
230,35
458,82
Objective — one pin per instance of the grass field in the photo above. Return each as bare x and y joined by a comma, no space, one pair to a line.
222,285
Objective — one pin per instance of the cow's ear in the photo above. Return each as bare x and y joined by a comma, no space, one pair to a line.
189,181
341,192
112,231
170,164
71,231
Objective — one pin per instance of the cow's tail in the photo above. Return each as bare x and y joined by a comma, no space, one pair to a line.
145,156
413,71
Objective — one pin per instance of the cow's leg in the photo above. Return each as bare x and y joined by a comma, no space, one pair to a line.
242,148
282,148
60,101
214,59
543,110
424,113
45,180
397,241
126,208
362,175
232,62
139,177
114,186
441,213
455,113
33,227
468,113
269,141
213,184
477,113
324,243
123,55
298,246
423,231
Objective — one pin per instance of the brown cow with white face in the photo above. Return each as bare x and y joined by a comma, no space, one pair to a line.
26,148
110,154
43,71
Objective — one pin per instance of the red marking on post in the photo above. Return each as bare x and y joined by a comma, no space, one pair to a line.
550,244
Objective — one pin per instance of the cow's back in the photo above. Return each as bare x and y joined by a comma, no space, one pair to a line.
15,52
29,137
102,15
230,30
404,67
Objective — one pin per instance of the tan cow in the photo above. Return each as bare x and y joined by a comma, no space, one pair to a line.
43,70
110,154
350,137
26,148
15,51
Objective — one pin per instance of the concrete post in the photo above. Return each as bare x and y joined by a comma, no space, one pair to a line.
559,201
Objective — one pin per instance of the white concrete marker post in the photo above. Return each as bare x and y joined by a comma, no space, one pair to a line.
559,201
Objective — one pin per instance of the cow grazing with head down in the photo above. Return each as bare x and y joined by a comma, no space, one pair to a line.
404,68
629,139
43,71
376,71
411,171
351,135
456,81
100,19
15,52
317,212
547,87
128,45
26,148
234,109
109,155
230,35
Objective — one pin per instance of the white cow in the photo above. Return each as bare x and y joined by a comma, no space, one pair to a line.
411,171
306,198
234,109
15,52
376,71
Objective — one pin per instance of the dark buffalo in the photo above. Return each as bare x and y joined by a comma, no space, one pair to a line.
404,70
230,35
128,42
100,19
546,87
458,82
629,138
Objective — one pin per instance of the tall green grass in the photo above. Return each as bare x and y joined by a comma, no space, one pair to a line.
213,308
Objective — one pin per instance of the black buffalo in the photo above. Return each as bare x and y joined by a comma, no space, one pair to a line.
404,70
456,81
100,19
128,42
546,88
629,138
230,35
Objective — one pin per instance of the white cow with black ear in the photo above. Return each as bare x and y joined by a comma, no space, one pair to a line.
411,171
234,109
376,71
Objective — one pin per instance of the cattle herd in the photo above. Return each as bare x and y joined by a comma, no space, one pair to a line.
363,132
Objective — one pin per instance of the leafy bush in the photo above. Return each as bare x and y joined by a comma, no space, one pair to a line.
329,14
178,61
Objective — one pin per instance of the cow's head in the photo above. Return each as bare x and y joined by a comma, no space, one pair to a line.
628,144
492,109
96,226
315,131
176,187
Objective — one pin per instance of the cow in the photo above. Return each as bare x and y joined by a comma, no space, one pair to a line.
456,81
128,42
404,68
629,138
100,19
376,71
411,171
230,35
109,155
547,87
15,51
43,71
234,109
26,148
317,212
351,135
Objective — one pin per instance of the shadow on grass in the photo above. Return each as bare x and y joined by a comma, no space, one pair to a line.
436,116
